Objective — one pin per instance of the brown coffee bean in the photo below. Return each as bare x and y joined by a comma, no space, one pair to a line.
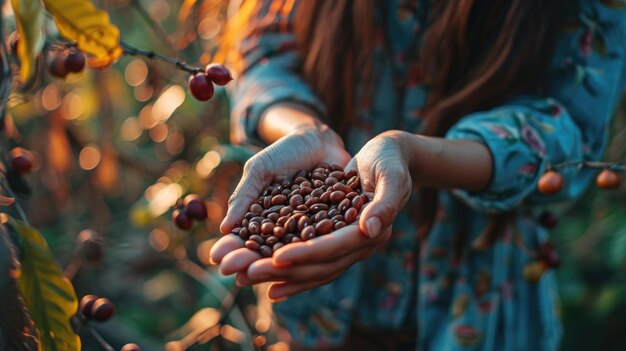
303,222
277,246
306,184
339,225
324,226
267,202
321,170
267,191
296,239
337,196
288,238
357,203
294,193
344,205
306,191
236,230
276,208
286,192
330,181
256,209
337,175
250,215
279,199
292,224
352,195
307,198
254,228
257,238
325,198
244,223
266,220
317,192
244,233
350,215
335,167
349,174
285,211
307,233
252,245
273,216
319,176
279,232
294,188
304,208
265,251
271,241
266,213
318,183
299,180
267,228
282,220
342,187
318,207
296,200
258,219
312,201
354,182
333,212
320,216
338,218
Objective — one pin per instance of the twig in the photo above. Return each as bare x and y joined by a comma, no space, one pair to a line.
155,26
133,51
618,167
105,345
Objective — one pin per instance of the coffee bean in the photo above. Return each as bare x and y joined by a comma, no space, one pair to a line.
292,224
285,211
352,195
342,187
252,245
254,228
320,216
236,230
304,208
339,225
344,205
282,220
258,219
279,232
288,238
279,199
257,238
251,215
296,239
357,203
244,233
354,182
350,215
318,183
307,233
333,212
267,228
324,226
306,184
323,165
337,196
277,246
277,190
244,223
317,192
271,241
338,218
337,175
319,176
294,188
306,190
265,251
325,197
286,192
296,200
334,167
321,170
318,207
303,222
256,209
349,174
276,208
266,220
299,180
273,216
330,181
267,202
312,201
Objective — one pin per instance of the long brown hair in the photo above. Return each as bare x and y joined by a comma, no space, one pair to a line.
475,54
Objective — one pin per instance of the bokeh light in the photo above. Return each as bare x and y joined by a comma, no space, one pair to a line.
136,72
89,157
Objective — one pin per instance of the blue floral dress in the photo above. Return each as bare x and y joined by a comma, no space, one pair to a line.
459,293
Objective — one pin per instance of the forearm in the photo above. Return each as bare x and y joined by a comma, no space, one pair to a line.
443,163
286,118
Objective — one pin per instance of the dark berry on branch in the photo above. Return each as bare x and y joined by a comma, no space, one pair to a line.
75,62
201,87
22,160
550,183
608,179
195,207
182,219
218,74
56,66
102,310
86,303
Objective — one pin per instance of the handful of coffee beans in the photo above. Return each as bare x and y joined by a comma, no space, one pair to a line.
314,203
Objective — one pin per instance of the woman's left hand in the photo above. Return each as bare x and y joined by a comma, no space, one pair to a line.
383,168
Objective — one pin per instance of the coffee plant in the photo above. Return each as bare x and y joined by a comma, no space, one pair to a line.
114,143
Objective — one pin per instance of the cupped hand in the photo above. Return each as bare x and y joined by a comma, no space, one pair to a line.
383,169
281,160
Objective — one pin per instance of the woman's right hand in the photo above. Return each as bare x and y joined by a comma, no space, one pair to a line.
302,149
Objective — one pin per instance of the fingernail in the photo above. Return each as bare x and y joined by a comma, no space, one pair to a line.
373,227
278,299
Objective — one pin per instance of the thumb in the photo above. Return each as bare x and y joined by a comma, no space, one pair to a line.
380,213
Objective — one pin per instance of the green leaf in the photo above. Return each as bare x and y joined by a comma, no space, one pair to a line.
90,28
49,296
29,16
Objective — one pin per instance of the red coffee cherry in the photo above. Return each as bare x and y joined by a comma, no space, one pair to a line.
218,74
75,62
201,87
550,183
102,310
182,219
22,160
130,347
195,207
56,66
608,179
86,303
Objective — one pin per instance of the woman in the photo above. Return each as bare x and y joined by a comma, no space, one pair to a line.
474,98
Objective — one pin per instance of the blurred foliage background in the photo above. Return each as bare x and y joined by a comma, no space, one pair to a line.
117,147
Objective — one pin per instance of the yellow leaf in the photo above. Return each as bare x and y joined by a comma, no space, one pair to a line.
29,16
90,28
49,296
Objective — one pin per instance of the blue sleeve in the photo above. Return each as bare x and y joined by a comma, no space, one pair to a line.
270,74
570,123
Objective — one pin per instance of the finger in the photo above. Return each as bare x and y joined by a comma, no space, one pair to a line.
282,290
223,246
250,186
264,271
322,249
238,260
242,279
382,211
